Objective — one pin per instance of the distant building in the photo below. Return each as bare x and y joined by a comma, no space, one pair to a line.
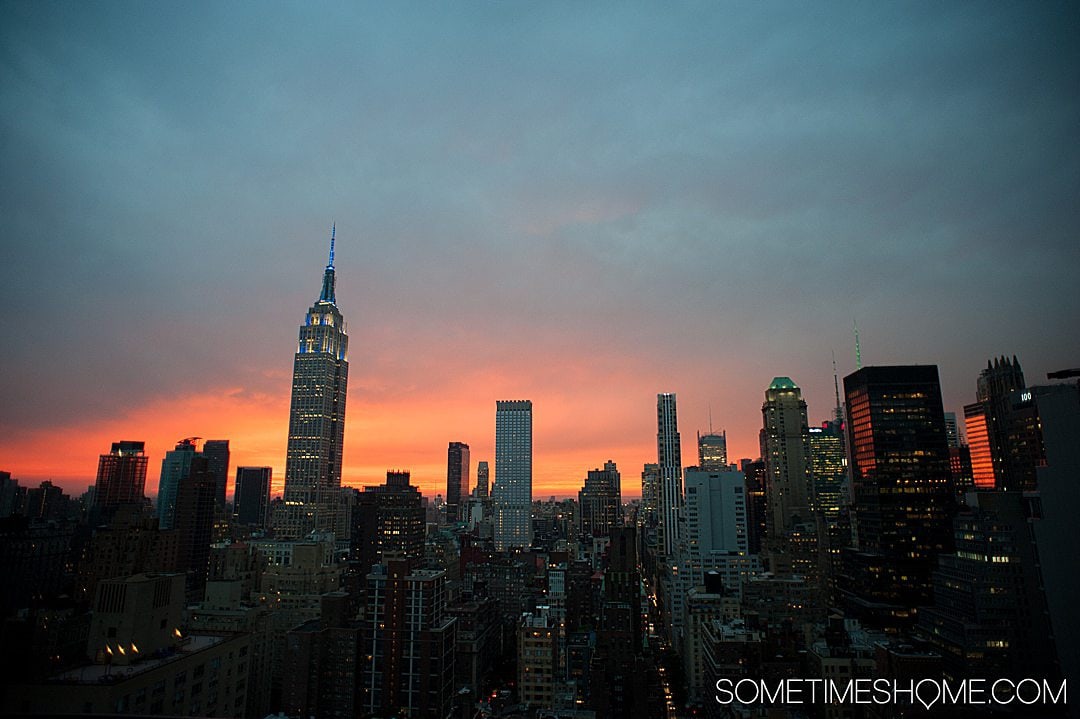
600,502
457,481
195,502
121,475
175,468
216,452
388,521
512,494
669,462
483,487
712,451
251,495
786,452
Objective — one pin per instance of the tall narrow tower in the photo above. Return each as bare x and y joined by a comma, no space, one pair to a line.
512,494
669,459
317,419
786,452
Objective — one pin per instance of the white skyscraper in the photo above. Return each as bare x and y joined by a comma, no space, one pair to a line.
512,493
669,459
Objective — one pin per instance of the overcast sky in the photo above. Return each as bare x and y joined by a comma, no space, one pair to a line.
582,204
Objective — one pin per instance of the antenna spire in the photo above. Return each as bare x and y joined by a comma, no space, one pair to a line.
858,349
327,294
333,232
839,412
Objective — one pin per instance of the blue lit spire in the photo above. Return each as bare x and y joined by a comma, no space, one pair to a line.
327,294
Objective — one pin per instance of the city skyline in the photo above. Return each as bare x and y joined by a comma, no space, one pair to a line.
690,200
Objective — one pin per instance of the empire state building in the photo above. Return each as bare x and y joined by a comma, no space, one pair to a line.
317,420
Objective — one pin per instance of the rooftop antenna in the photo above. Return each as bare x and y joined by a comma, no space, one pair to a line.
836,387
710,418
858,350
333,231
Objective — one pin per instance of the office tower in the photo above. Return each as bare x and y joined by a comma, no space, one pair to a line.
175,468
408,637
995,383
600,502
251,496
317,418
482,480
457,481
989,617
121,475
669,460
715,511
712,451
952,430
757,505
388,520
978,437
512,494
902,491
650,494
786,451
828,468
216,452
196,498
538,659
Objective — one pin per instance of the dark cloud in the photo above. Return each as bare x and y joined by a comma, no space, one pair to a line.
714,190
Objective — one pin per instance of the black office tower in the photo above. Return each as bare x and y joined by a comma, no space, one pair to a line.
457,480
902,490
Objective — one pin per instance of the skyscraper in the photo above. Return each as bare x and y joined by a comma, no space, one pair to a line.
669,459
388,521
216,452
175,468
712,452
995,384
512,494
902,490
482,479
121,475
786,451
600,502
251,496
317,418
457,480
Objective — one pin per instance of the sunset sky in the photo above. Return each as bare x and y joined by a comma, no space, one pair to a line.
581,204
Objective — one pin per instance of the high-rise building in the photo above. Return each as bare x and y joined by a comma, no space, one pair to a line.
216,452
317,418
669,459
982,461
1000,378
194,523
457,481
483,476
600,502
175,468
650,494
786,451
388,520
712,451
952,430
408,637
512,494
902,490
828,468
251,496
121,475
